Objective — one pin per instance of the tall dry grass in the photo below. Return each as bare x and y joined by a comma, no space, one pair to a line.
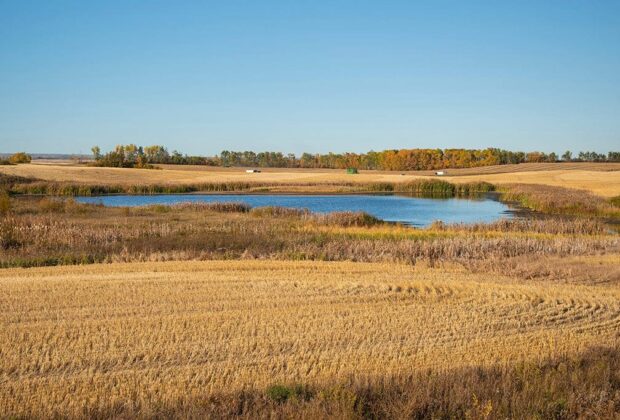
53,232
556,225
558,200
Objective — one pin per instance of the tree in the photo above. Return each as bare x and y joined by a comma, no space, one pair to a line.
613,157
567,156
535,157
96,152
20,157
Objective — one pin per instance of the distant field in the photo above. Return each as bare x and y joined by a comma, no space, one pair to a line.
600,178
108,340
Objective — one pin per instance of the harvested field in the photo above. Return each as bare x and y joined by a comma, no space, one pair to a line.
600,178
606,184
149,339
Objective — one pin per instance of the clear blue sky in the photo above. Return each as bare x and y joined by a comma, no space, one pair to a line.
312,76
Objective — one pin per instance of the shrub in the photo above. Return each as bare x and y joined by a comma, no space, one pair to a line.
281,393
20,157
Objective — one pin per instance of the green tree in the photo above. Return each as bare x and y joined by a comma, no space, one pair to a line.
96,152
567,156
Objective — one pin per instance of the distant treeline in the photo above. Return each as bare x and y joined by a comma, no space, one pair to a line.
396,160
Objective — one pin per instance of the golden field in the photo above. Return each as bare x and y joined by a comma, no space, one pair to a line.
139,338
600,178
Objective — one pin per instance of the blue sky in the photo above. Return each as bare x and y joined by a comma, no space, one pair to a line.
313,76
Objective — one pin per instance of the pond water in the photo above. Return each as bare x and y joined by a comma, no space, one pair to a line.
392,208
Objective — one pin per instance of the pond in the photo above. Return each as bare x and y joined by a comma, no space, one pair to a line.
410,210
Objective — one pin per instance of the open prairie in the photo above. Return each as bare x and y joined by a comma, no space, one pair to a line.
600,178
145,339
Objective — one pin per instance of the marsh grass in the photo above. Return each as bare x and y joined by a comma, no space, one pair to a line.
278,211
345,219
558,200
5,202
219,207
555,225
435,187
52,231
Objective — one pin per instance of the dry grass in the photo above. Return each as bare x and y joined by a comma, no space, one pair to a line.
162,338
605,184
51,232
600,178
514,319
559,200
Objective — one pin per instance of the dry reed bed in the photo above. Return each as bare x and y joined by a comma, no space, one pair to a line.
555,226
48,235
548,199
133,339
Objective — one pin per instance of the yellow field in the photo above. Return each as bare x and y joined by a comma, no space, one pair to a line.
606,184
84,338
602,179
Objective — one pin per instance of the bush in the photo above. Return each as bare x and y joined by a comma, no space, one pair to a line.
281,393
20,157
